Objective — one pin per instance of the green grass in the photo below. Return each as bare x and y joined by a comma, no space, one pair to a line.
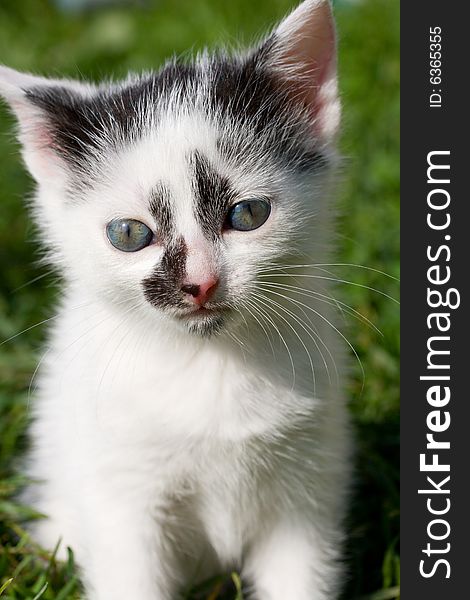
33,36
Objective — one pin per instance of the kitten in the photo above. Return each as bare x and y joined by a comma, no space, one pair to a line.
188,418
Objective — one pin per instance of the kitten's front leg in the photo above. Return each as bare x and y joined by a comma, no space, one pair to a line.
126,557
294,561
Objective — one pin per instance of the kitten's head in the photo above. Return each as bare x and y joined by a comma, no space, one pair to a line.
174,190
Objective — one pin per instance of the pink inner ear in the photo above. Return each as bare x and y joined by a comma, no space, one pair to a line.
307,57
39,155
38,144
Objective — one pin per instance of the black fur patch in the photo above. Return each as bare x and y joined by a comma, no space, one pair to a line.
310,160
79,125
248,92
213,196
163,287
253,97
160,208
244,91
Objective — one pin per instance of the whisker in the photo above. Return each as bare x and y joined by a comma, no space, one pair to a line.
115,350
337,280
248,304
291,314
32,389
31,281
324,298
281,337
314,335
239,343
334,328
319,265
13,337
83,334
261,298
246,325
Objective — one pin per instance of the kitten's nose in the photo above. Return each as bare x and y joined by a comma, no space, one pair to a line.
200,293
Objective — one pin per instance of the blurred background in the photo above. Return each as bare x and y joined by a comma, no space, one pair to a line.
100,38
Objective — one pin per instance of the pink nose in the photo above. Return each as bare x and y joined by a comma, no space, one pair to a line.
200,293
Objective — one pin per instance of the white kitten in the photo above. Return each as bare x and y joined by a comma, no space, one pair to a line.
188,417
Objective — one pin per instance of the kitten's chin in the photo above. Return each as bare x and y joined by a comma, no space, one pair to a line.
205,327
203,323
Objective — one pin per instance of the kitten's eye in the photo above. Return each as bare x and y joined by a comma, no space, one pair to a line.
248,214
128,235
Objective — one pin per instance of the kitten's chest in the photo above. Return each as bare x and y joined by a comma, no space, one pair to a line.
132,386
189,393
207,398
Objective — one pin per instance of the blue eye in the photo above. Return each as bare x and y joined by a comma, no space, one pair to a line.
128,235
248,214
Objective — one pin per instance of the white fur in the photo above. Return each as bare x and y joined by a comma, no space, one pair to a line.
166,457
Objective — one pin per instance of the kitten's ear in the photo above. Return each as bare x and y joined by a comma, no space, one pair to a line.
42,106
303,54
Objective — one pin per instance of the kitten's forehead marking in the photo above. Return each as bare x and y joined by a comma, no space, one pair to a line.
213,194
161,210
